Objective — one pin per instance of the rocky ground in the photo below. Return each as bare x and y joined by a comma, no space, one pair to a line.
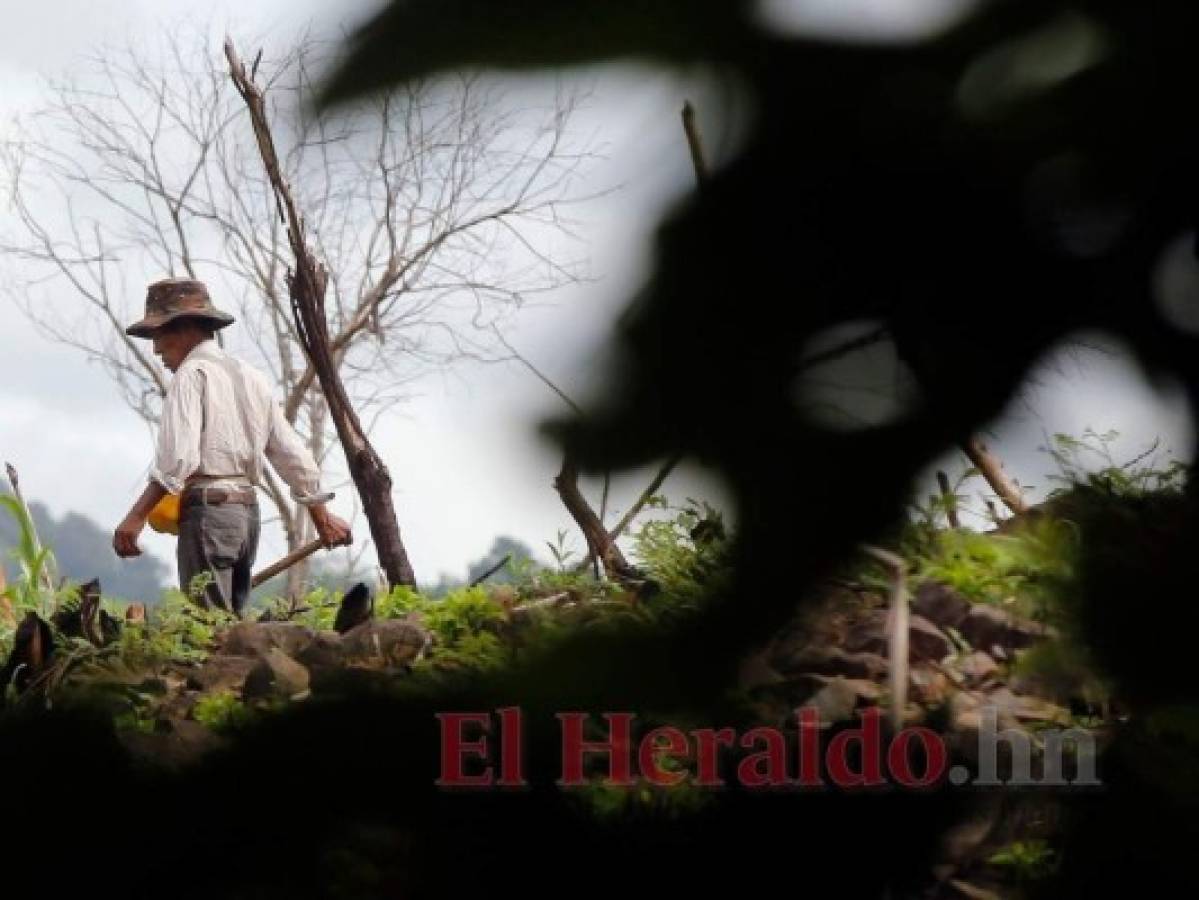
962,659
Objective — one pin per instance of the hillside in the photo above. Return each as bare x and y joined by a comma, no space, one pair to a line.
349,691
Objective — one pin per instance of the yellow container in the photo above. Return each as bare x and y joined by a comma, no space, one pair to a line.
164,518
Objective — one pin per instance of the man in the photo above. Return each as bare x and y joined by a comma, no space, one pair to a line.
219,420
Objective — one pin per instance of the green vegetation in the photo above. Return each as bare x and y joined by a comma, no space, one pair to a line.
221,711
177,630
28,593
1138,477
1026,860
1022,571
684,552
1029,566
614,803
83,547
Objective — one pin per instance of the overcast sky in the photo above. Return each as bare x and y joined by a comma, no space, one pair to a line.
464,455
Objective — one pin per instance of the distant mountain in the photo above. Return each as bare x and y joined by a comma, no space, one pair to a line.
83,550
503,545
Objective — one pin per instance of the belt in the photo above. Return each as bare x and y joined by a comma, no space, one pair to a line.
206,496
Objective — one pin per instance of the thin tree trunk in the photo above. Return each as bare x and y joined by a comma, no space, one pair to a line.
627,519
306,286
301,532
298,574
599,545
608,538
991,469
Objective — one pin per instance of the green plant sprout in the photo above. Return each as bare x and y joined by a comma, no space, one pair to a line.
27,593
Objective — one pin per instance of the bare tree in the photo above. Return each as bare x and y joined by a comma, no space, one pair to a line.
438,210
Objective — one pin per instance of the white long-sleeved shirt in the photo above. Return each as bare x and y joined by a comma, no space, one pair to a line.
219,420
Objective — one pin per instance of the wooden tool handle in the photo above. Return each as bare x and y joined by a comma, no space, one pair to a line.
286,563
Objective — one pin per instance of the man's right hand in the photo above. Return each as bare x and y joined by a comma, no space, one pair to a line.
124,539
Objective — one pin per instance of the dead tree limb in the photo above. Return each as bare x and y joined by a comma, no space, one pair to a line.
698,161
650,490
599,545
898,624
700,165
480,579
306,286
991,469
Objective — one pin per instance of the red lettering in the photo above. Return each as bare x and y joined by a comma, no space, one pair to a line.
511,748
868,737
936,757
809,747
618,747
750,771
707,740
650,751
453,748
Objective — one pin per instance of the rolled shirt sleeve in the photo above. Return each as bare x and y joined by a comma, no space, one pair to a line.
177,452
292,459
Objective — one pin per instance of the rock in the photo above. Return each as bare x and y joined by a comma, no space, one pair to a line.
796,690
929,686
964,890
940,604
178,706
755,671
870,635
867,691
325,652
391,642
258,638
182,743
988,627
964,713
220,673
276,675
976,668
835,702
985,627
1026,709
830,661
965,722
925,640
839,697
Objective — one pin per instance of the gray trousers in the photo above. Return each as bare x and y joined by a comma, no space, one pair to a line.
222,540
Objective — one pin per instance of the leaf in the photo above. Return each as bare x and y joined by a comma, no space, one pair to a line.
27,546
415,38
